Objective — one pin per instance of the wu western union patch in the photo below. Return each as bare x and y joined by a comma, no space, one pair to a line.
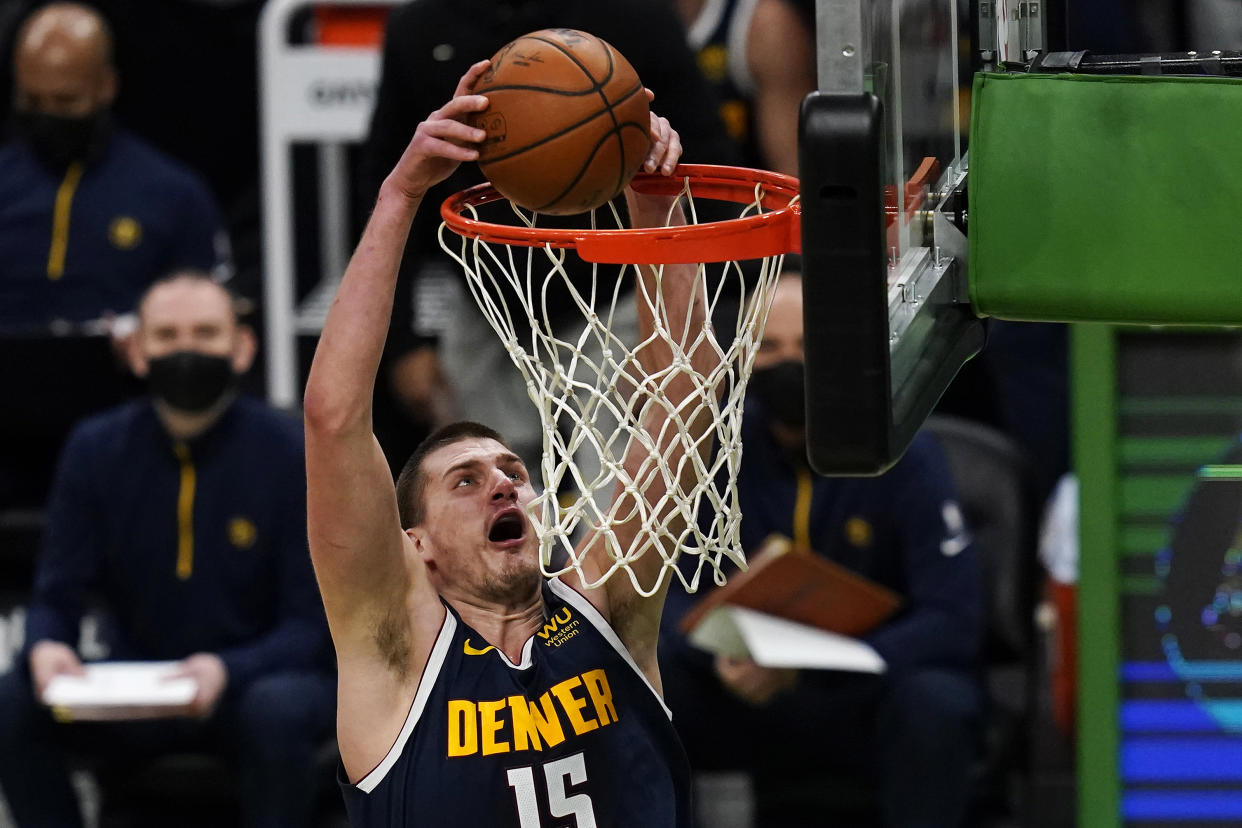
559,629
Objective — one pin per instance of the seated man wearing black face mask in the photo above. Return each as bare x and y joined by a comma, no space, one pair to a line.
92,215
910,729
184,516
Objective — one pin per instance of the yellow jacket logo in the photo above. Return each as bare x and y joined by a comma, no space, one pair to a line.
125,232
242,532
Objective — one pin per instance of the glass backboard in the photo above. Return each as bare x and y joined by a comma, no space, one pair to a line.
883,170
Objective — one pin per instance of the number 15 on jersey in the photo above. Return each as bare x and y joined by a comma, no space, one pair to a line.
558,776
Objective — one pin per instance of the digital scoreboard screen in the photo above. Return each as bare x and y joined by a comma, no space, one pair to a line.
1179,510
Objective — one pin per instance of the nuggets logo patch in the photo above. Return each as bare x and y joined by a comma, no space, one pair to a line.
125,232
242,532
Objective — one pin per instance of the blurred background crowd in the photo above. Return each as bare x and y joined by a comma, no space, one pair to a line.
151,497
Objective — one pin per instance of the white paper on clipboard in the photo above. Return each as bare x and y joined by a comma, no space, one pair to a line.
738,632
121,689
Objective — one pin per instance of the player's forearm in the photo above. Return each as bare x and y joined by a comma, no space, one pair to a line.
342,381
672,294
677,295
688,345
677,422
342,376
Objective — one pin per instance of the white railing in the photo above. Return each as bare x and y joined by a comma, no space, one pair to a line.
308,93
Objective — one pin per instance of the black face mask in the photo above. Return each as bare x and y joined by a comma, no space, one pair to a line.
59,140
782,390
190,381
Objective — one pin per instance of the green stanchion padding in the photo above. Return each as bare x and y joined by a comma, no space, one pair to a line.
1112,199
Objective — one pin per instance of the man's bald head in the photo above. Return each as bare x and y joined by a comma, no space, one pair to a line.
62,62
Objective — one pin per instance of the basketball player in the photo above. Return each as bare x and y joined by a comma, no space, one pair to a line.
759,57
473,692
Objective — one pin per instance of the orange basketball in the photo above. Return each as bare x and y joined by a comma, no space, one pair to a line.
567,122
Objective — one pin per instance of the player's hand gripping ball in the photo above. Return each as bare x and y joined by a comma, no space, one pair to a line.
567,122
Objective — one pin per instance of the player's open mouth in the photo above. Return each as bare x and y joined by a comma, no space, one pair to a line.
508,528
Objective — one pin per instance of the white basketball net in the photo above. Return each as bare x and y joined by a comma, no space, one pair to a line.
593,399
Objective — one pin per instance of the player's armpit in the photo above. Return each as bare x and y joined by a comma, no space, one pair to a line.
376,686
383,642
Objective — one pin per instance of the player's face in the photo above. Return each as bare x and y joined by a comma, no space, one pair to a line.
482,543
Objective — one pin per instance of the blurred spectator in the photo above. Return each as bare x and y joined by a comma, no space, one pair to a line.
183,516
89,217
1019,384
91,214
1058,552
453,366
175,96
759,56
913,730
1028,363
174,99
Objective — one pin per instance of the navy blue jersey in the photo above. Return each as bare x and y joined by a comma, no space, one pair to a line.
574,736
718,37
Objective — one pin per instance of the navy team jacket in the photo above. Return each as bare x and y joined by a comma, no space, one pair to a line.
195,546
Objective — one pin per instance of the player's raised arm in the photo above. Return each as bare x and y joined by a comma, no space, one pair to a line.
683,305
355,532
356,540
